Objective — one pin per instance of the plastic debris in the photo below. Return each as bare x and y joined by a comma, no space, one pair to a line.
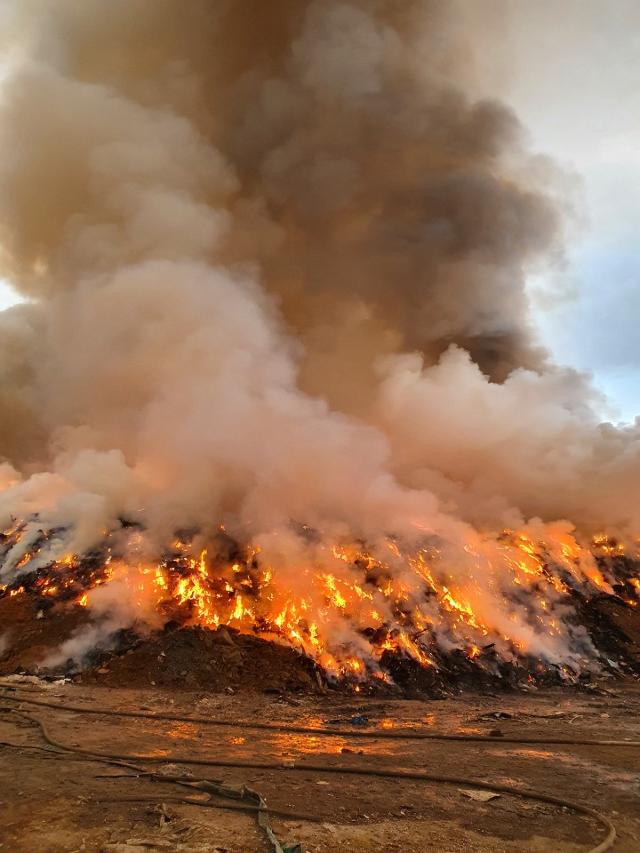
479,795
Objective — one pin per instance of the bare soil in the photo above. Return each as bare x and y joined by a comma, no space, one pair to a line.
54,804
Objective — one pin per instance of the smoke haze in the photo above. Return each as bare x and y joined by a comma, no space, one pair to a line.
277,256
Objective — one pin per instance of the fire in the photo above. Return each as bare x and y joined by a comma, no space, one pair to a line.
394,601
461,607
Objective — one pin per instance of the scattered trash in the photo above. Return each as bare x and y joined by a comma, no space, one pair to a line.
478,795
137,845
356,720
517,715
494,715
47,684
554,715
172,770
165,816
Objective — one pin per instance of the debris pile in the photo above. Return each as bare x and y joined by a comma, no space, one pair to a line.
199,658
224,659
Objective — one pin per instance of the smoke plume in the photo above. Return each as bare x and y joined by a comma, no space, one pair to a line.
276,256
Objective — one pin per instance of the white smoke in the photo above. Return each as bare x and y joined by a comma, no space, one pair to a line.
278,270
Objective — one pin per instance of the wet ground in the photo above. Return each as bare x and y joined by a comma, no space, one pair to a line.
52,804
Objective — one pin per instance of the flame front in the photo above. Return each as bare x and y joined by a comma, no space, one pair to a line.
358,604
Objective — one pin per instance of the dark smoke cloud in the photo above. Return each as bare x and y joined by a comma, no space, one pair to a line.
386,209
278,255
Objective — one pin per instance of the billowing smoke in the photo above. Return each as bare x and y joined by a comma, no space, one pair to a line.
276,257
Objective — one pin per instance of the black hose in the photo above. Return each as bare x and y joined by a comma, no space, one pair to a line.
395,773
316,730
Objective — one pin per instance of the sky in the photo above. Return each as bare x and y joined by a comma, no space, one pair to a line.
572,72
574,82
8,296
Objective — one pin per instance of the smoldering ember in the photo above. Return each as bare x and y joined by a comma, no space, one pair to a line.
294,494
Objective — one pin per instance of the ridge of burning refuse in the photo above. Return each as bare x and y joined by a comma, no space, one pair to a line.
417,613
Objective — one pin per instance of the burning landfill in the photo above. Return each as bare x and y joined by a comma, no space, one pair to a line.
274,368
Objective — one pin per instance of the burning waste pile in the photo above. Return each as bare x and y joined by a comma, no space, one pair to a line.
275,369
399,624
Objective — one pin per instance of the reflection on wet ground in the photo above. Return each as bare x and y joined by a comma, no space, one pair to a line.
191,739
279,745
289,745
307,720
348,810
294,746
156,752
529,752
182,731
605,773
388,723
538,717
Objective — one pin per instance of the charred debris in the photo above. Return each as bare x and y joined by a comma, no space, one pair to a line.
182,655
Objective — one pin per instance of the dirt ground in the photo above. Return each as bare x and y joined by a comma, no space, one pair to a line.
52,804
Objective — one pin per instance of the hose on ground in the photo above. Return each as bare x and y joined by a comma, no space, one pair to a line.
405,734
394,773
251,800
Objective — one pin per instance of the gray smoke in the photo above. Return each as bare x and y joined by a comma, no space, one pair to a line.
277,257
